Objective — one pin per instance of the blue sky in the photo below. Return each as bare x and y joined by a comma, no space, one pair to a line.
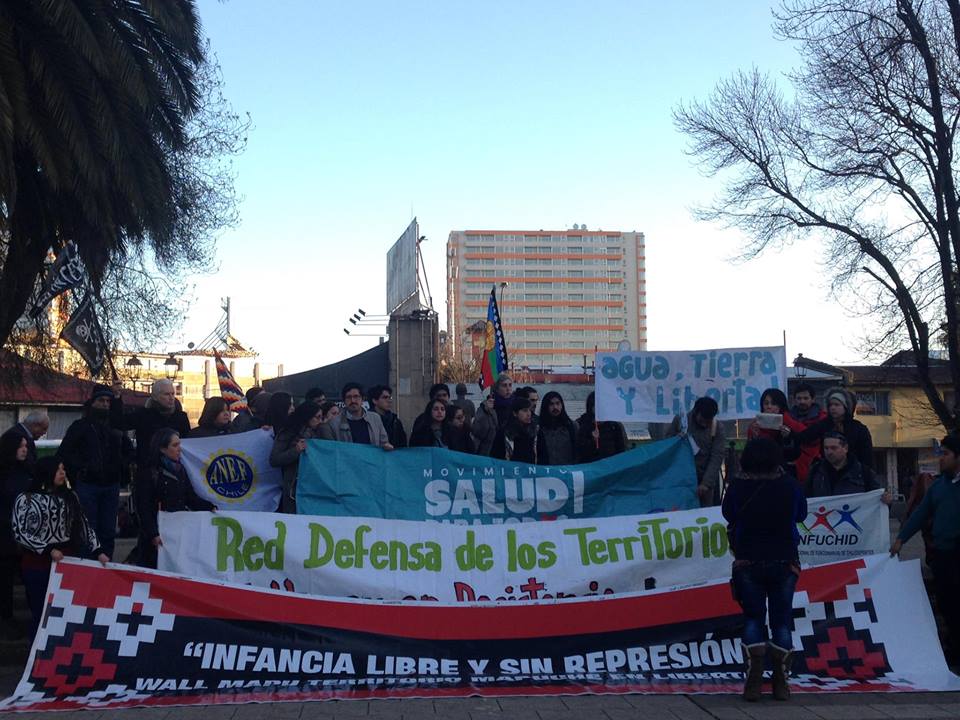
486,115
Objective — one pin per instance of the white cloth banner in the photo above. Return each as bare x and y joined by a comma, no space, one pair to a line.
656,386
233,471
404,559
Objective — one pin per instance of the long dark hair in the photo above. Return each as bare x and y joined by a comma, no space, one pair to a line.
9,444
160,441
278,410
778,398
426,417
303,414
211,408
44,472
547,420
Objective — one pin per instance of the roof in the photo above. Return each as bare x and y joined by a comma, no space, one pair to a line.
898,369
894,374
24,382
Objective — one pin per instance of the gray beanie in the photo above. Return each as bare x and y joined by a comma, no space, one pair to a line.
843,397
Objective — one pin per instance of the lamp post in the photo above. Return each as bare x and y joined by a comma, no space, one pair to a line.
134,368
171,366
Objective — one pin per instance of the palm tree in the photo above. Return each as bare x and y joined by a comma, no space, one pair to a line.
95,96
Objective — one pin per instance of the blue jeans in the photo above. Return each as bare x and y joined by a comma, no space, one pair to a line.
100,504
761,586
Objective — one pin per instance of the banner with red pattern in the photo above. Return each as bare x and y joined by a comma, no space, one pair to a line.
122,637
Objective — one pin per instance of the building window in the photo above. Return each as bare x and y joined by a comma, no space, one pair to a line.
873,403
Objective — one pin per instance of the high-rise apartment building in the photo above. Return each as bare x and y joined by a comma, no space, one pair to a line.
566,292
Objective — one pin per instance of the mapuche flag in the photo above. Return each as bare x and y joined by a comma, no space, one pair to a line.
494,358
231,392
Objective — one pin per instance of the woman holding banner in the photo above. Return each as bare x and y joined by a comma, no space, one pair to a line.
763,507
163,485
289,445
48,523
775,423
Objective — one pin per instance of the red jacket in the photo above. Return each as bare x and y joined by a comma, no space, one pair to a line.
811,450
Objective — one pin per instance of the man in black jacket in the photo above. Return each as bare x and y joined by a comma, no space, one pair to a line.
96,457
839,472
162,410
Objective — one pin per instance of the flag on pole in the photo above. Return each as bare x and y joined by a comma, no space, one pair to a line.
65,274
231,392
493,361
84,334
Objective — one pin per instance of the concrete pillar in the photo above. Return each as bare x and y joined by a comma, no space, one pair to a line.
413,365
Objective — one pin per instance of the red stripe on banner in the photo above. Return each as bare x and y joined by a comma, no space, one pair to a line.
825,583
94,586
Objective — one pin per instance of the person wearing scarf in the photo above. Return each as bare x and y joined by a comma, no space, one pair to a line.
163,485
48,523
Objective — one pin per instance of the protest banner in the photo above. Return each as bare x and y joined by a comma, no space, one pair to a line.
234,471
656,386
345,479
122,637
407,560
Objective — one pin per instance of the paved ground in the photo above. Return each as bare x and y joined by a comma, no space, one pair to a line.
874,706
901,706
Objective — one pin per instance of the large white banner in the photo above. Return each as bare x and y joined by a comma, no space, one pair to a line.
404,559
233,471
656,386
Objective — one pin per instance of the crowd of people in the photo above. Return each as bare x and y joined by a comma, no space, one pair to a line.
67,504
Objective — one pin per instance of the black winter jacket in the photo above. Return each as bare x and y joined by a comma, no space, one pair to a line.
825,480
159,488
93,452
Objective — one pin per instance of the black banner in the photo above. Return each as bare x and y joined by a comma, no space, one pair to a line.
66,273
84,334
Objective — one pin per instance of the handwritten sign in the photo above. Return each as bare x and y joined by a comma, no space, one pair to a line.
656,386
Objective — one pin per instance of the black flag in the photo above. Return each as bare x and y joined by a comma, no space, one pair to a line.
84,335
66,273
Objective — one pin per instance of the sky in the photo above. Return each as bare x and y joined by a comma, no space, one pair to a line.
529,115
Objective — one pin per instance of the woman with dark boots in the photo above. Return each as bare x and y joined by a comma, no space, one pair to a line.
763,507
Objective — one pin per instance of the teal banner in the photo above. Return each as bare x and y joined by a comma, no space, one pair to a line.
343,479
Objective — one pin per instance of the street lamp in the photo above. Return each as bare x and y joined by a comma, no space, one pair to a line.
171,367
134,367
799,369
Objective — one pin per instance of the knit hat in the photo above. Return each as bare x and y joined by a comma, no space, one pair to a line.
100,390
841,396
